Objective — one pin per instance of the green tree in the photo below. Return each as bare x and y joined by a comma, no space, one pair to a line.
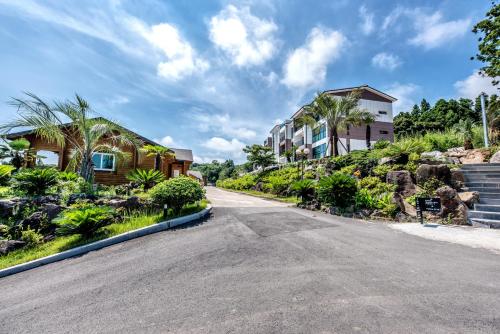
489,43
18,151
260,155
161,153
86,135
338,113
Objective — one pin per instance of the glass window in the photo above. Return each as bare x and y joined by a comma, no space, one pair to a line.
319,151
319,133
384,132
382,112
103,161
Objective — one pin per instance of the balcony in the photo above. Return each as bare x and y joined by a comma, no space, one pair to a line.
298,141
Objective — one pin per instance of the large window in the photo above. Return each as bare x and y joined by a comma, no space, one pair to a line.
104,161
319,133
319,151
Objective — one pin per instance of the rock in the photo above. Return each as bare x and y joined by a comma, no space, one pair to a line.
7,246
130,203
73,198
49,199
402,179
386,160
469,198
409,209
7,208
41,219
259,186
456,152
434,155
441,172
457,179
495,158
473,157
452,207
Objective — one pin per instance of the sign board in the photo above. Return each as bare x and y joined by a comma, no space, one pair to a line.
427,204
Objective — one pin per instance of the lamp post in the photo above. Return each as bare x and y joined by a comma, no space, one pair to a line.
485,126
303,153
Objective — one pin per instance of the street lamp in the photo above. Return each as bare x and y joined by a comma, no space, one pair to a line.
485,126
302,153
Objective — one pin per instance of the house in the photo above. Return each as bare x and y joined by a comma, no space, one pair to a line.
197,176
108,169
286,135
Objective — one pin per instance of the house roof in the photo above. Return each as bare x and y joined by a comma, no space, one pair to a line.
180,154
195,173
365,87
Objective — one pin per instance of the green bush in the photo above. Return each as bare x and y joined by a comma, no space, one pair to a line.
386,205
381,144
430,186
146,178
86,221
364,200
276,184
66,176
31,238
245,182
5,173
35,181
177,192
303,189
363,160
441,141
337,190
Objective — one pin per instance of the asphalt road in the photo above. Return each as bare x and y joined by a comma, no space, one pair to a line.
260,267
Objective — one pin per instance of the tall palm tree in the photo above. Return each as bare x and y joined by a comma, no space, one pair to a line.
368,120
84,134
159,152
338,113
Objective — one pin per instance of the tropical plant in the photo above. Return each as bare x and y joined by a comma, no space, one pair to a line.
68,176
364,200
259,155
381,144
386,204
288,154
85,135
338,113
177,192
276,184
86,221
464,127
303,189
159,152
337,190
147,178
35,181
18,151
31,238
5,172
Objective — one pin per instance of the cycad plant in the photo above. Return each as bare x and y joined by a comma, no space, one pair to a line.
5,172
85,135
85,221
148,178
35,181
338,113
18,151
303,189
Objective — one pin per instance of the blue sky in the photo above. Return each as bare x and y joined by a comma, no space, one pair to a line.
216,75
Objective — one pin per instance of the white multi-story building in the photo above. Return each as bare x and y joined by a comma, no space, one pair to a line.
287,136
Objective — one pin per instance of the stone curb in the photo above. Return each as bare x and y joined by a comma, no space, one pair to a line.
106,242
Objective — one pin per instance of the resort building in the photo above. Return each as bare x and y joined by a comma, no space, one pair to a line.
286,136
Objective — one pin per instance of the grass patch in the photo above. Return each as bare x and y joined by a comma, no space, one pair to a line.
289,199
61,244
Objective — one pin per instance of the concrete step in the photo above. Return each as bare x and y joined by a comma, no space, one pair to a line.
488,223
484,215
489,201
482,165
482,178
488,195
487,207
483,190
481,184
486,169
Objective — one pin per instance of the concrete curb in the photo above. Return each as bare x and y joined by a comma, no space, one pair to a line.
106,242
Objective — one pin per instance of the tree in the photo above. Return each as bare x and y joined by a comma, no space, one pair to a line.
338,113
159,152
18,151
368,119
86,135
489,43
260,155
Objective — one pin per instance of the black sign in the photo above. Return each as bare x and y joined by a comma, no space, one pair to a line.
428,204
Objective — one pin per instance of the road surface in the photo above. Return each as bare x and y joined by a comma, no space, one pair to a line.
259,266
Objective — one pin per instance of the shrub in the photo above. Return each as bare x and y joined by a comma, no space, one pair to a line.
430,186
177,192
31,237
35,181
277,185
245,182
387,205
68,176
86,221
5,172
364,200
337,190
381,144
146,178
361,159
303,189
441,141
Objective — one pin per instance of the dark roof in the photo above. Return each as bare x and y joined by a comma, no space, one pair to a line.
367,87
183,154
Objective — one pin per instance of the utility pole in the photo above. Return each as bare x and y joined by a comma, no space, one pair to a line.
485,126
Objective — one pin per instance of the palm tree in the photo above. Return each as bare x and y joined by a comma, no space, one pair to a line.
369,119
19,152
159,152
338,113
84,134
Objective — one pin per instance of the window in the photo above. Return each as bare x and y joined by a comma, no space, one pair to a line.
319,133
384,132
103,161
319,151
382,112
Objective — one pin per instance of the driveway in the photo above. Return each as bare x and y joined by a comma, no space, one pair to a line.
261,267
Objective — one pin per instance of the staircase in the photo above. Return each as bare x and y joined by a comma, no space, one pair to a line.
485,179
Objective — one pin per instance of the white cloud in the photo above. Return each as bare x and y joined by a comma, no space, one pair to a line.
433,32
224,124
367,24
206,159
307,65
234,147
386,61
166,141
405,95
475,84
247,39
181,59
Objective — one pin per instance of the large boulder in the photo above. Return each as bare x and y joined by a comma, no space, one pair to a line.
469,198
10,245
73,198
456,152
130,203
441,172
474,156
452,208
457,180
495,158
7,208
434,158
41,219
48,199
403,181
